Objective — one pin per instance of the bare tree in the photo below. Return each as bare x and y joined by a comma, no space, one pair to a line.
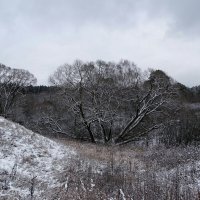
12,81
112,101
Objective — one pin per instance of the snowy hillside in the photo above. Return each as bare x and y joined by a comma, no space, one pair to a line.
29,163
33,167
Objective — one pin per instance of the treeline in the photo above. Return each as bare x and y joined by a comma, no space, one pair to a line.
188,95
104,102
39,89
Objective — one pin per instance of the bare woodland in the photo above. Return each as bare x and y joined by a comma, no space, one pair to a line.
100,102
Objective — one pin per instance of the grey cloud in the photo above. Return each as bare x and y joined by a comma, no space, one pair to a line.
116,14
39,35
184,14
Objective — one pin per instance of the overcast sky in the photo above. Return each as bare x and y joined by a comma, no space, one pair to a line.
40,35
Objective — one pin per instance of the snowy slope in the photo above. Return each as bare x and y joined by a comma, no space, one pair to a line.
29,163
33,167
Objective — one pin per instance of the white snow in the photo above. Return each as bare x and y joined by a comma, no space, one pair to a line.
122,194
25,155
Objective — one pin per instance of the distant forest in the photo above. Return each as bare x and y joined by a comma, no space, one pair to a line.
103,102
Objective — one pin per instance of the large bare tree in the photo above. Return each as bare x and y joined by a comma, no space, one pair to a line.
112,101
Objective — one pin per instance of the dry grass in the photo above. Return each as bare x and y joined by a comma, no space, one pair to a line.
140,173
102,152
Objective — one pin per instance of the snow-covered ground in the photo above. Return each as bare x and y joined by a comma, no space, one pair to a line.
29,163
33,167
